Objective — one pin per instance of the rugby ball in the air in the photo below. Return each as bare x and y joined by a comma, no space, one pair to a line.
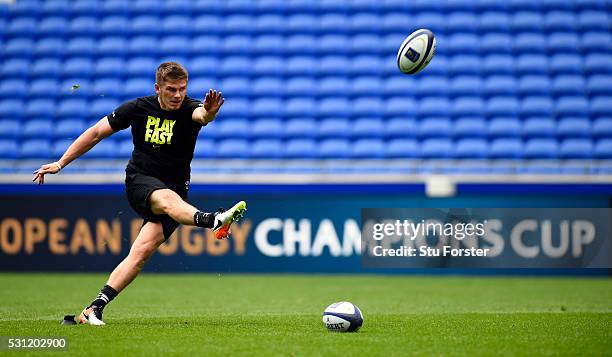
342,317
416,51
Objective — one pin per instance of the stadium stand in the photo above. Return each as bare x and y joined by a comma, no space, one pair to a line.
511,80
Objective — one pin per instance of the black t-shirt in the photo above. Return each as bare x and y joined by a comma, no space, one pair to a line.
164,141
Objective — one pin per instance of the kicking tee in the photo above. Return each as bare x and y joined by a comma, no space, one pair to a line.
164,141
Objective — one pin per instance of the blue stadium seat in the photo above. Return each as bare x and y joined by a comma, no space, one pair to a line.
400,127
431,20
534,106
209,24
598,63
399,85
102,107
328,86
541,148
366,65
83,25
175,45
568,85
371,127
566,64
79,66
105,149
563,42
568,106
366,85
42,108
368,106
463,43
301,65
300,87
368,148
68,128
72,108
494,43
177,25
467,127
269,24
267,107
437,148
35,148
434,127
366,43
403,148
8,149
114,26
532,64
137,87
267,128
115,46
504,127
527,21
433,106
333,45
235,66
400,106
498,85
602,127
38,128
463,106
601,106
494,22
182,7
143,46
333,106
267,149
201,66
204,149
464,65
145,25
334,23
234,87
362,23
237,44
596,42
534,85
498,64
523,5
11,108
10,129
20,26
396,22
300,45
529,43
49,46
301,148
506,148
55,26
576,149
15,68
54,8
334,149
112,7
271,45
502,106
594,21
459,22
233,128
300,23
471,148
106,87
574,127
236,108
603,149
539,127
112,67
560,21
81,46
334,128
13,88
599,85
299,107
301,128
18,48
268,66
428,86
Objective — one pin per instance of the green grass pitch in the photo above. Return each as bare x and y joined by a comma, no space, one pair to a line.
261,315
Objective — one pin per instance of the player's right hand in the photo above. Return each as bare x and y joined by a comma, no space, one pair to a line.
39,175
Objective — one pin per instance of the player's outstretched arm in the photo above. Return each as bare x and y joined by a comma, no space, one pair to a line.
81,145
212,103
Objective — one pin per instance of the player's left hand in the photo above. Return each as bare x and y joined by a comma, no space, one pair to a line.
212,103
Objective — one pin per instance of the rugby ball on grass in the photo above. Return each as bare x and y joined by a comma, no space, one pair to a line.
342,317
416,51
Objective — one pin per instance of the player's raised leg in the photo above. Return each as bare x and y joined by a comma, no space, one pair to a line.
166,201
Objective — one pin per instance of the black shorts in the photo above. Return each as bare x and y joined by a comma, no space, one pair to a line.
139,187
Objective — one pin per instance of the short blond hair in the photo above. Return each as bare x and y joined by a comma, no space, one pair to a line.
170,71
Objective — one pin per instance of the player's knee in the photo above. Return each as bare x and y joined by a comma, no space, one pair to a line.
163,201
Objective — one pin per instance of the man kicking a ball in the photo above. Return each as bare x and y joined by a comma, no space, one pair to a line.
165,127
